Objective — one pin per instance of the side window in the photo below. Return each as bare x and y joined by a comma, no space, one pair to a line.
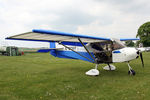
117,45
102,46
97,46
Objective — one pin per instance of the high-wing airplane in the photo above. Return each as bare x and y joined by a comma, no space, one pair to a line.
96,50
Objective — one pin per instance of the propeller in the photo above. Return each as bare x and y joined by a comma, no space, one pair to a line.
141,56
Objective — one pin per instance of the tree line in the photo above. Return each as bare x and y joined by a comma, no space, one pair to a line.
144,34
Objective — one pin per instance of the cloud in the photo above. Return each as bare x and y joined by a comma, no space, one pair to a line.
105,18
120,19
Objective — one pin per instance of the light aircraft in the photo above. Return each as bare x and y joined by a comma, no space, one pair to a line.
96,50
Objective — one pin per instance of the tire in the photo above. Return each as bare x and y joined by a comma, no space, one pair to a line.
131,72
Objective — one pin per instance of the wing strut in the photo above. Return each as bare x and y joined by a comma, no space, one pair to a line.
76,52
86,49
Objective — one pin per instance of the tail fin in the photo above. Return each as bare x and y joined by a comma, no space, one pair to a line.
53,45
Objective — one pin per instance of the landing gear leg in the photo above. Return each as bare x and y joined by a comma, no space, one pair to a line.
93,72
96,66
109,67
131,71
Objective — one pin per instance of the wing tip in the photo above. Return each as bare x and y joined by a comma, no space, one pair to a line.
134,39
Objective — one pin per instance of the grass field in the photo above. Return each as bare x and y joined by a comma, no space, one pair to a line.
39,76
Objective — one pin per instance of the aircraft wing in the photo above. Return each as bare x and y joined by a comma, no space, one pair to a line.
48,35
65,38
134,39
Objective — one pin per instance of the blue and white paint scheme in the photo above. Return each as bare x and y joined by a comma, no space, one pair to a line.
96,50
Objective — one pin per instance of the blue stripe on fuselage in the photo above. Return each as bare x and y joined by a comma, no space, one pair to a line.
73,55
116,52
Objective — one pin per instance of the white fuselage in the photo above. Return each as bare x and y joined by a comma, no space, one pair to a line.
124,54
119,55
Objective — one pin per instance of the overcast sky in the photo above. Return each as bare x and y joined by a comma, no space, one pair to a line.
102,18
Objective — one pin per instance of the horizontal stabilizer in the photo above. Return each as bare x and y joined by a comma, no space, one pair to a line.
48,50
143,49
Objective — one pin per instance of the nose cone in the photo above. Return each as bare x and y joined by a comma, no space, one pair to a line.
131,53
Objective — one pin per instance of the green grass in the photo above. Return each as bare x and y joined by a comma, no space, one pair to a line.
42,77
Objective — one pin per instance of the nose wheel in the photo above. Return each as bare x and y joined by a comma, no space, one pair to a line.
131,71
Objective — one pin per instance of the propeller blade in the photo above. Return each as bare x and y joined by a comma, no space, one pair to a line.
141,56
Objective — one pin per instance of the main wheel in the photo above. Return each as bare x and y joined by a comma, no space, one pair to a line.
131,72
